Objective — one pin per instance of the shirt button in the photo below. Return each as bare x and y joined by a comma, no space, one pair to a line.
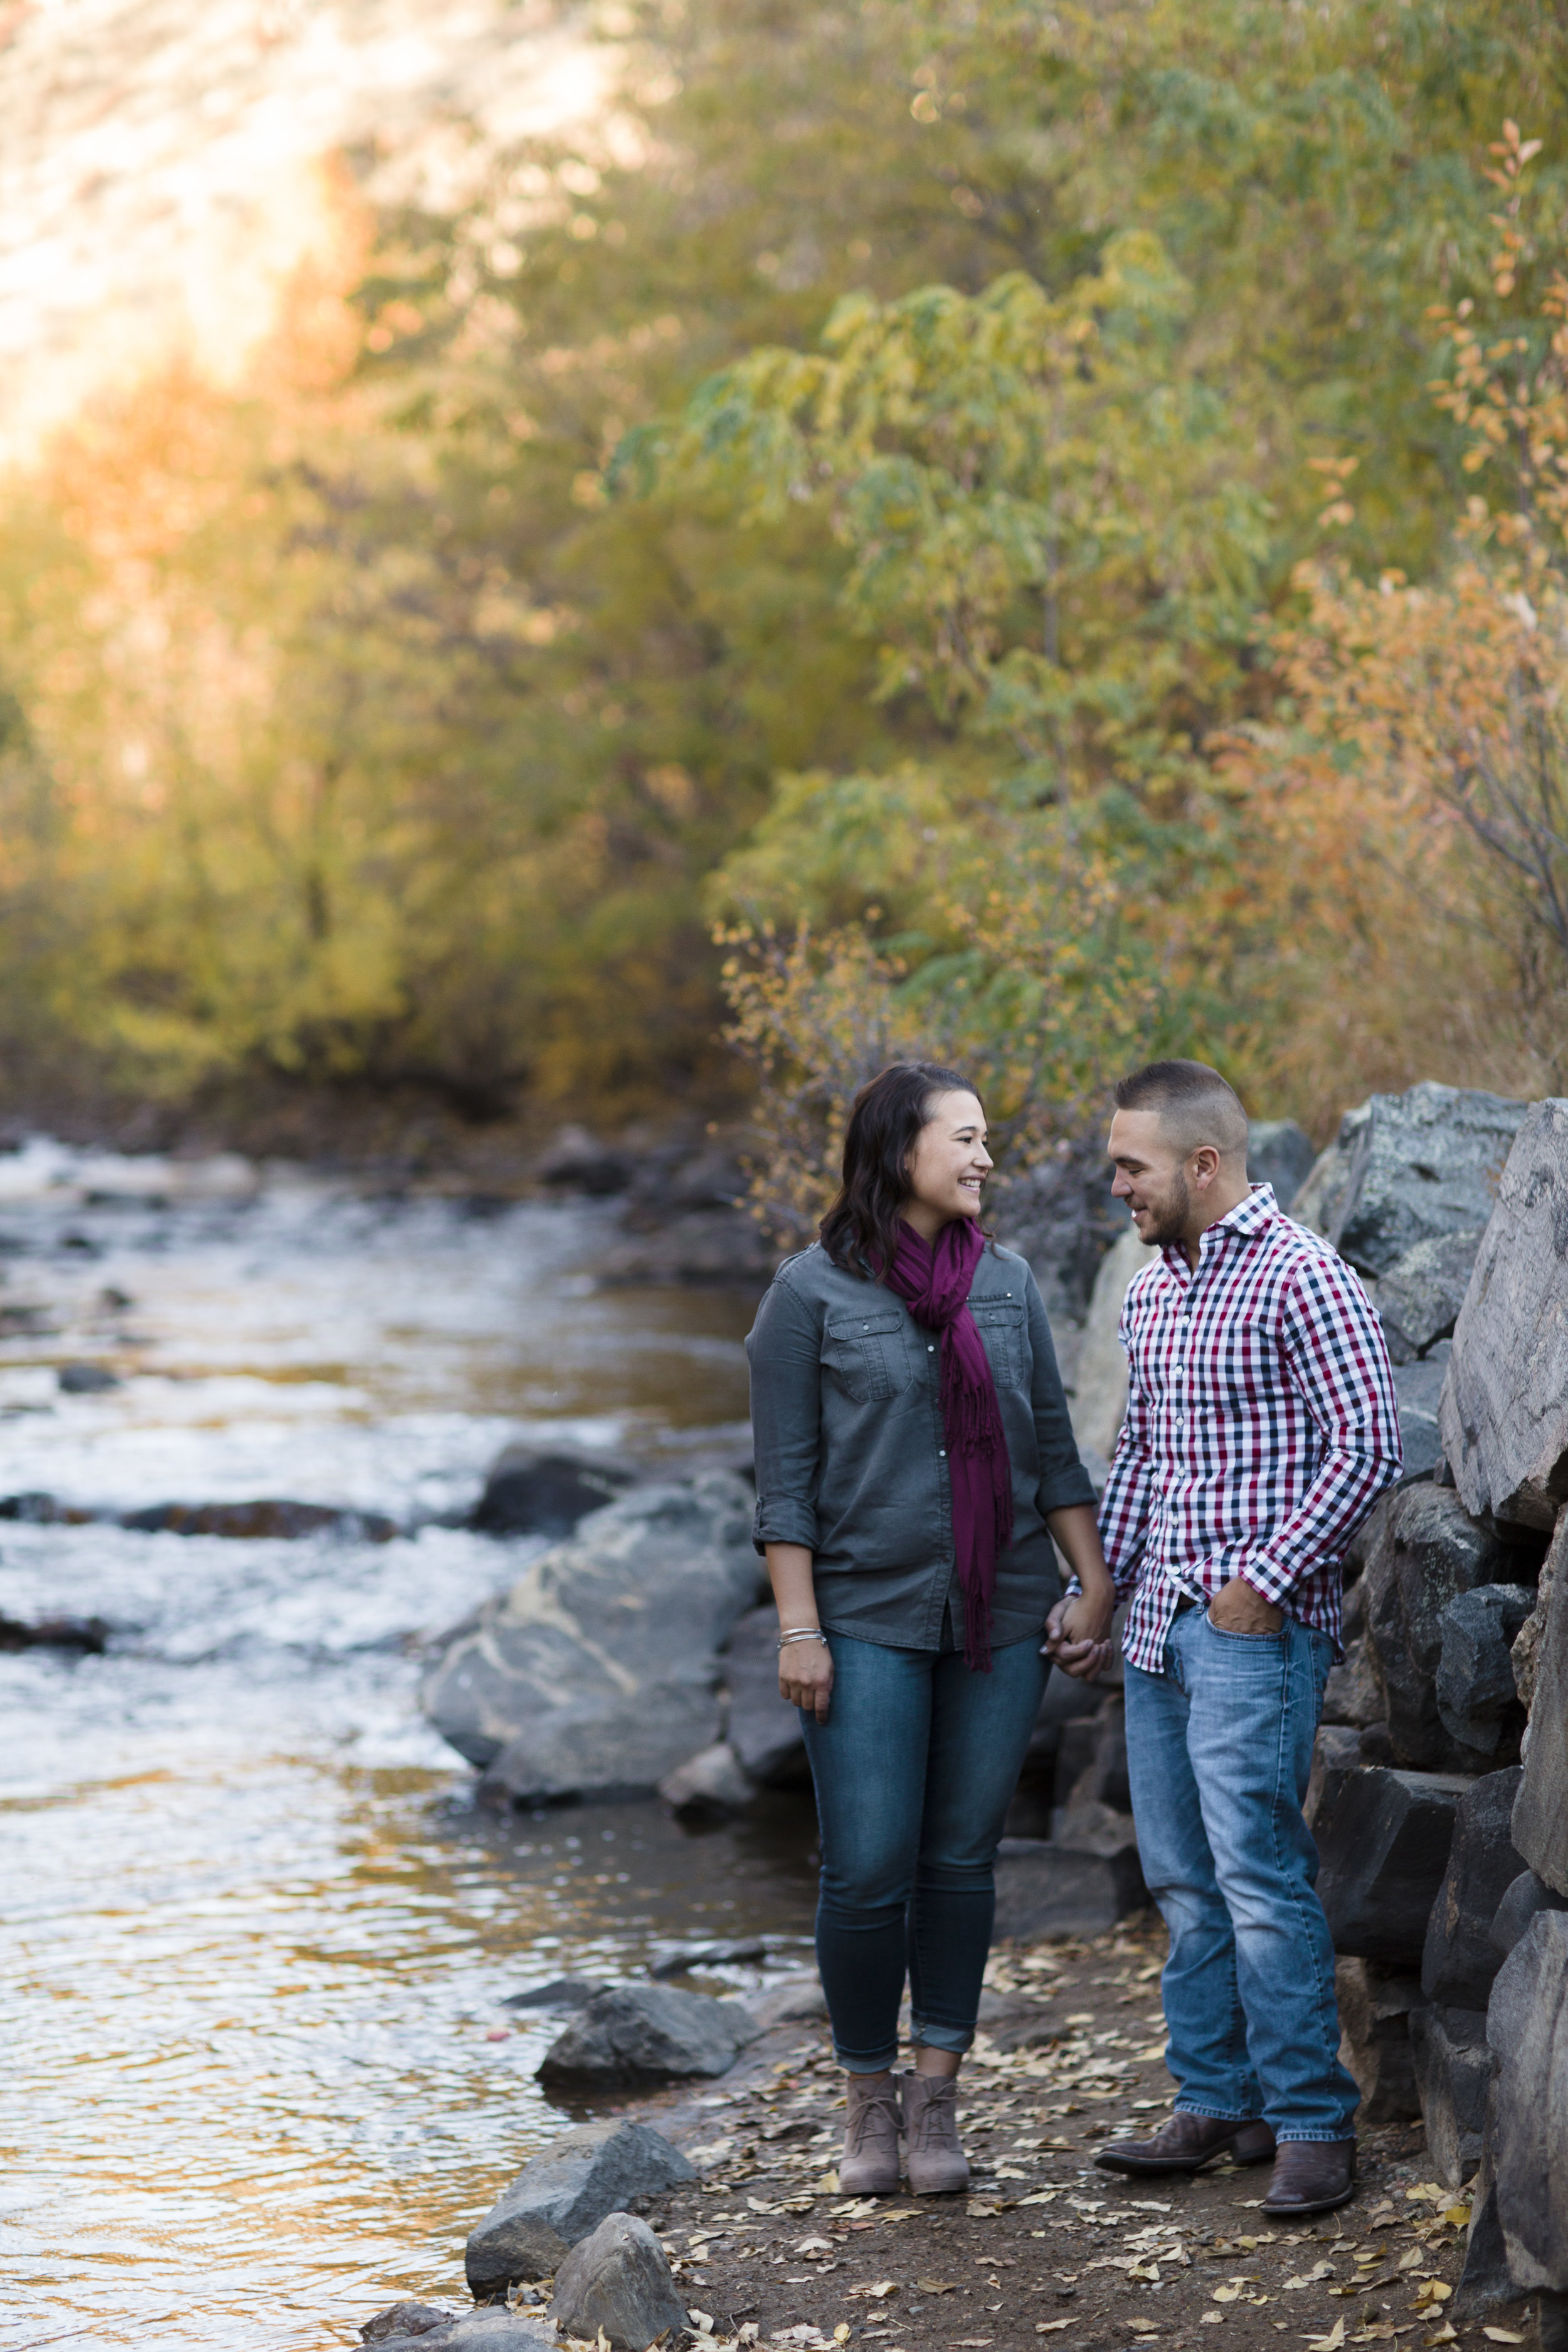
931,1348
941,1454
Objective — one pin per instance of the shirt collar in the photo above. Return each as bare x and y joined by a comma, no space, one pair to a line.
1249,1214
1247,1217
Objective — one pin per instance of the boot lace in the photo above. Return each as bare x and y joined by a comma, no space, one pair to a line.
936,2124
875,2120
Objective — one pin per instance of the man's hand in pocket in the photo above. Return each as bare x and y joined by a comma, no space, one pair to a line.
1237,1608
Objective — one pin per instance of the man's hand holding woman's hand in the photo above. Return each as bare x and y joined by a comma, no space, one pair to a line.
1077,1631
1077,1634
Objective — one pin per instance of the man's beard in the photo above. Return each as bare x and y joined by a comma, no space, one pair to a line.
1170,1222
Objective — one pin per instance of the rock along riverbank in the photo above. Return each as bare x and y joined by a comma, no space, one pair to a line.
1044,2250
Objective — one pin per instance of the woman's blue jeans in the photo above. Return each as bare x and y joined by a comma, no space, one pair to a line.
914,1770
1218,1750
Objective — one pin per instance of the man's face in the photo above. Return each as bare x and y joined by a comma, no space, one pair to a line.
1151,1177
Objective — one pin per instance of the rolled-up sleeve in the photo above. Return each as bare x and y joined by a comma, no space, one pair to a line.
1064,1481
785,1352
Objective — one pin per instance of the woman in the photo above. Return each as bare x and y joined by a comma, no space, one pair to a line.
914,1460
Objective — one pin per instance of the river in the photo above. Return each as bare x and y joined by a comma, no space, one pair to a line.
256,1934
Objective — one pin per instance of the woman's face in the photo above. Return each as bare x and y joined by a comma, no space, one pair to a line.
950,1164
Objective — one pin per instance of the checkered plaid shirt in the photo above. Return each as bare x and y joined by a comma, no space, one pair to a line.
1261,1426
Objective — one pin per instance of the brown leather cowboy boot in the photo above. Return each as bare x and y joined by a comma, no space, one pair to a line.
1311,2176
1185,2144
870,2164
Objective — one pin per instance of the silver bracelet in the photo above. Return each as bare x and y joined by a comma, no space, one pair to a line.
801,1633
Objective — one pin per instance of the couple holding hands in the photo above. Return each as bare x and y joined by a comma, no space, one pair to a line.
917,1476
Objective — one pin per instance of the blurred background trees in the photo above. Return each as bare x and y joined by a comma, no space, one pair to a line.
1035,533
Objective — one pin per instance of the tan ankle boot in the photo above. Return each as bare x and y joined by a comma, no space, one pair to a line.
933,2159
870,2164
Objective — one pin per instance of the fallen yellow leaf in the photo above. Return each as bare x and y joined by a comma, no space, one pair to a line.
841,2333
1446,2334
936,2286
1501,2335
1457,2215
1331,2341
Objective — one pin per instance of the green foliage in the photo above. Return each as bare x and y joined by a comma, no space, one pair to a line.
980,378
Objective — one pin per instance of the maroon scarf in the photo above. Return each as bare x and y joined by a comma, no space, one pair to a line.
935,1285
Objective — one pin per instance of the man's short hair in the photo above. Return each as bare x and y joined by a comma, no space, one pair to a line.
1193,1103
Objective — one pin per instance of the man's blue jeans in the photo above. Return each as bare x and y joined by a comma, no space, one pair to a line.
1219,1747
914,1770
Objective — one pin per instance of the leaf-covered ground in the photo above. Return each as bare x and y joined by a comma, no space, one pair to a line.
1043,2249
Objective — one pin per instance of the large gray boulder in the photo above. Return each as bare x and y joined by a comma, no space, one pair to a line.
494,2330
709,1786
1423,1550
1527,1641
1383,1840
1059,1214
1418,1389
648,2033
1049,1887
765,1729
1453,2075
616,2288
1278,1153
1504,1413
532,1490
1375,2006
1527,2026
1100,1391
1540,1811
1475,1695
1406,1169
1352,1694
597,1673
1522,1897
1419,1298
562,2195
1459,1959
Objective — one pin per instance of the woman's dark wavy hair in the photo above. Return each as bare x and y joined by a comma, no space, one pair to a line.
860,1231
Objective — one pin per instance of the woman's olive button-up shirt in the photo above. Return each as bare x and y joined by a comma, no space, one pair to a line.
852,1456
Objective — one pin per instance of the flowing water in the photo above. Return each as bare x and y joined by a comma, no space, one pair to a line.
255,1935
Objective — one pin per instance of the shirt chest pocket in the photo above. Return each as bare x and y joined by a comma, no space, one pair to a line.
868,1356
1000,1323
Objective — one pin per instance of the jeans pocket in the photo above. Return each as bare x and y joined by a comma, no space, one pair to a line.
1225,1633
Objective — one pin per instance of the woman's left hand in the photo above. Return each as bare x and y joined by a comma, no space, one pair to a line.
805,1677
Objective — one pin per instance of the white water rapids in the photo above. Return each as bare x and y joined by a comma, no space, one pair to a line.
254,1935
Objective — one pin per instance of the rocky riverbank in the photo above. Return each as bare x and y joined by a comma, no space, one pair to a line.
1439,1801
761,2250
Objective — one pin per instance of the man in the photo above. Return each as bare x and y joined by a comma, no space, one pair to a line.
1261,1426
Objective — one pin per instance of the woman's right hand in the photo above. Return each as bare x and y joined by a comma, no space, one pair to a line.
805,1677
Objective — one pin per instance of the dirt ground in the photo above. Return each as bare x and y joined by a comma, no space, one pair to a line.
1044,2250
